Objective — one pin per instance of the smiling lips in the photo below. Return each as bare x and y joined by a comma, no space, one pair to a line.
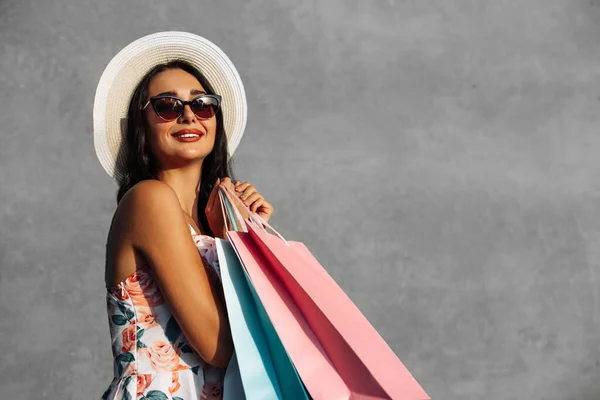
188,135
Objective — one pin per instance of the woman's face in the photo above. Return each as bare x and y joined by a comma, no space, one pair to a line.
166,143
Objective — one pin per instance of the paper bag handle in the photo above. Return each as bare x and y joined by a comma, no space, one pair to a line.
252,217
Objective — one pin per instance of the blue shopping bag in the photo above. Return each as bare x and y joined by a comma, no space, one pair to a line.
266,370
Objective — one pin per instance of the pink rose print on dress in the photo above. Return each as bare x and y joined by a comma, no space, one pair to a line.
163,357
143,381
175,385
145,316
143,291
129,338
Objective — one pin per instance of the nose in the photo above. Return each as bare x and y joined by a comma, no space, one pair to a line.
188,115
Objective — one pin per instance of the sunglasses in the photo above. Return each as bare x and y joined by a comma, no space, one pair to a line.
170,108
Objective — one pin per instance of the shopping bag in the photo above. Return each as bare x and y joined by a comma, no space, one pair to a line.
255,366
351,342
308,356
265,369
357,353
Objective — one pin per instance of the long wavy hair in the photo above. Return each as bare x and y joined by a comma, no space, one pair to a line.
140,163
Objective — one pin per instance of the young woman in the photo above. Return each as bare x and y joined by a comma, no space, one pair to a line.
168,113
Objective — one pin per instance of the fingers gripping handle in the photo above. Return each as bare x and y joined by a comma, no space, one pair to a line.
252,217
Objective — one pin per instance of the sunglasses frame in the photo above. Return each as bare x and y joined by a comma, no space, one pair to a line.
152,101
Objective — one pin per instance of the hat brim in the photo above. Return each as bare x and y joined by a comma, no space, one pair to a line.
125,71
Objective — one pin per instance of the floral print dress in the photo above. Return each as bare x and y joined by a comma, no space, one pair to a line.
152,358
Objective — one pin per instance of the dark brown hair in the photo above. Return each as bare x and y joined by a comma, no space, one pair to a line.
140,164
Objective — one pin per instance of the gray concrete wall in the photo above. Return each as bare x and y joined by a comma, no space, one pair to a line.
439,157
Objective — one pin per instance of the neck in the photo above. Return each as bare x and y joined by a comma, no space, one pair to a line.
185,181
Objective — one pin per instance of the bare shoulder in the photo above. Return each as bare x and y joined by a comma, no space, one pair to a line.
146,214
147,195
150,211
146,201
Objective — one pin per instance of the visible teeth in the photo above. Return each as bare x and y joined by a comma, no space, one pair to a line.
188,135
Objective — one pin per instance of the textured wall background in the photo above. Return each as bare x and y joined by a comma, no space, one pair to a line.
439,157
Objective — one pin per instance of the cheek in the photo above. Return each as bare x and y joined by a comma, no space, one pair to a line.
157,132
211,127
156,125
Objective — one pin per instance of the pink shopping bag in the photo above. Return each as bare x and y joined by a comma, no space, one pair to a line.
353,350
360,355
310,360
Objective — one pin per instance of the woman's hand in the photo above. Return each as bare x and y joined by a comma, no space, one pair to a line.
246,193
254,200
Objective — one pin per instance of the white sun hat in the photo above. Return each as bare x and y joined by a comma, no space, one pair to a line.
126,70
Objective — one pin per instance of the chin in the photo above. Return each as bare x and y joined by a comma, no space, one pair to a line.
196,155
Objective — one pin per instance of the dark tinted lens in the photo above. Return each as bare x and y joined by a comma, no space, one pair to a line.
204,107
168,108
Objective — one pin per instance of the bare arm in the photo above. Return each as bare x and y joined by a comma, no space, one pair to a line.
159,232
